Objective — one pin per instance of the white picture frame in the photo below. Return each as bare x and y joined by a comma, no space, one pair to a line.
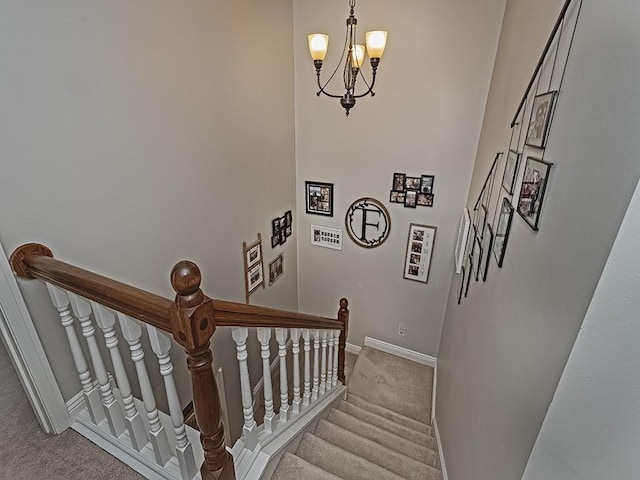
419,251
461,240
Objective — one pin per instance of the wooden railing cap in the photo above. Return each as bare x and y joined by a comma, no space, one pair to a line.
19,266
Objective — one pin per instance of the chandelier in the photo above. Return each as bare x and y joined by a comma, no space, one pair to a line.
353,58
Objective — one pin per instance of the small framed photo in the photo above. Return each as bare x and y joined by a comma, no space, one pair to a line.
275,241
425,199
253,254
319,198
482,219
532,190
461,240
487,245
502,231
461,285
469,273
410,198
398,182
540,119
396,197
426,183
275,226
276,269
419,252
283,236
477,257
288,219
510,171
412,183
255,277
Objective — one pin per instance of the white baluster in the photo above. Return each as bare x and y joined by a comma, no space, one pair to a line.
264,335
106,321
295,341
92,400
82,310
132,332
161,345
249,431
316,364
281,337
329,359
306,398
336,340
323,363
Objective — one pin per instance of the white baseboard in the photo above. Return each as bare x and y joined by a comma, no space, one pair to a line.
442,462
351,348
417,357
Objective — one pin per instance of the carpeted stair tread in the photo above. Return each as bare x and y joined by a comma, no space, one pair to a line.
375,453
384,437
292,467
390,414
393,382
340,462
406,432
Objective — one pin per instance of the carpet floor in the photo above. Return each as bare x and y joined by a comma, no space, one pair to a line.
380,431
26,452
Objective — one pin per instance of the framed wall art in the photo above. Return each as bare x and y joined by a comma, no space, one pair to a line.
487,245
540,119
367,222
469,272
502,230
276,269
319,197
410,198
426,184
481,219
420,243
461,239
396,197
412,191
281,229
253,266
510,171
461,285
532,190
398,182
477,257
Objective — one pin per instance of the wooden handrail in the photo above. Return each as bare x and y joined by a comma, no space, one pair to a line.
35,261
191,318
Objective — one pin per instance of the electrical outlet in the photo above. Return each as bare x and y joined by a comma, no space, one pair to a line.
402,328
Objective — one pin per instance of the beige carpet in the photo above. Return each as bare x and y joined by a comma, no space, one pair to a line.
26,452
380,432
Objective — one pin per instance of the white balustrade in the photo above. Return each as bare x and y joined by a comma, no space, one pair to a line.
281,338
61,301
329,359
82,310
249,430
336,341
323,362
316,364
106,320
306,336
264,335
132,332
295,346
161,346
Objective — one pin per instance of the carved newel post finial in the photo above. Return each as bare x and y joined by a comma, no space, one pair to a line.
193,324
343,317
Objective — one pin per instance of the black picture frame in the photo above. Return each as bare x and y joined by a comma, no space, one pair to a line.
412,183
540,120
396,197
319,198
481,218
288,218
503,228
487,242
425,199
477,257
410,198
469,273
276,269
398,182
532,190
275,241
461,288
426,183
511,171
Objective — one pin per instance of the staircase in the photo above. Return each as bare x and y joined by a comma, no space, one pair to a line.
381,431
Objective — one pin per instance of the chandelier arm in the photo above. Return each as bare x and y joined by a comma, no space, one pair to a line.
370,90
324,92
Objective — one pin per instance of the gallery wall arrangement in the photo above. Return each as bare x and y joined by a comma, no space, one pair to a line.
530,130
281,229
253,266
412,191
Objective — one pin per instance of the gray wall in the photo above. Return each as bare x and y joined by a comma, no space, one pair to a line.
591,429
136,134
503,350
425,119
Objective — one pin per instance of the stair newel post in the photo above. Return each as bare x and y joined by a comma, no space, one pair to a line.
343,317
193,324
